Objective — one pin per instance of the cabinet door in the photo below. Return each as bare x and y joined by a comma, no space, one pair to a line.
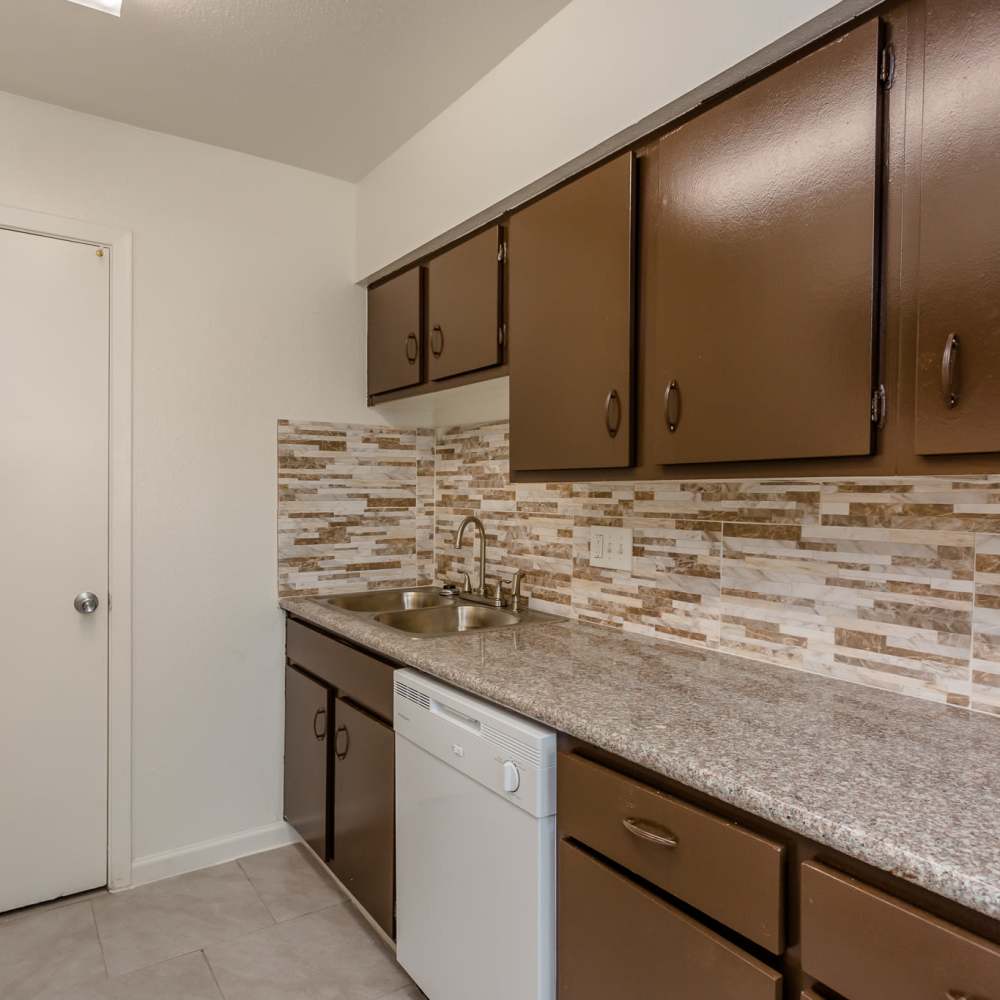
763,324
569,284
364,811
958,337
306,717
463,307
616,939
395,335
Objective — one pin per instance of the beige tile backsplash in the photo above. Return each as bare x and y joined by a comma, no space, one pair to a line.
893,583
355,507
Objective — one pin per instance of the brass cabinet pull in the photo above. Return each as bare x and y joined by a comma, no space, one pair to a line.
437,341
412,348
650,832
341,754
316,731
672,406
949,371
957,995
613,402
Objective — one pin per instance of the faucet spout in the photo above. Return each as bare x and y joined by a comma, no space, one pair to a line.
473,520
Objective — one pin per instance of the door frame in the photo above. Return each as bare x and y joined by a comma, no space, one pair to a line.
118,243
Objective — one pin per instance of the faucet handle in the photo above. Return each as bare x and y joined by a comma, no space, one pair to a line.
515,591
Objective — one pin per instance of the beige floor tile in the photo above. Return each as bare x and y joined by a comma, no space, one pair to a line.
47,950
329,955
409,993
184,978
291,882
177,915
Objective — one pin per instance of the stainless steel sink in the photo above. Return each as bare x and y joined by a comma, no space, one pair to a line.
373,601
446,620
424,612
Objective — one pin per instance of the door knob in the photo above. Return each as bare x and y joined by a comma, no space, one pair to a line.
86,603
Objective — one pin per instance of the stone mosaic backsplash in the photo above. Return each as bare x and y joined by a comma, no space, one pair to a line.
355,507
893,583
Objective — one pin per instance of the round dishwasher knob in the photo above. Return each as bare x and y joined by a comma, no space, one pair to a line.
511,777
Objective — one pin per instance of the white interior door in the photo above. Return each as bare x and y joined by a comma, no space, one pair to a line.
54,342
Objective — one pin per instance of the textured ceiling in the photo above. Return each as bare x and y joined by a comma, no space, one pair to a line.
330,85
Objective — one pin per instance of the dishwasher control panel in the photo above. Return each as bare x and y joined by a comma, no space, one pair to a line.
513,756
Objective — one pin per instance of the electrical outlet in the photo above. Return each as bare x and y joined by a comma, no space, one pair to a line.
611,548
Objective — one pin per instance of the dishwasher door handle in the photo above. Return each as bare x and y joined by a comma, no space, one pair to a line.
467,722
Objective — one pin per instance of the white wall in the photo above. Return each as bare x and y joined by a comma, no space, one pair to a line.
244,312
597,67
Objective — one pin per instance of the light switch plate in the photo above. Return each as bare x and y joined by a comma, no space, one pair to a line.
611,548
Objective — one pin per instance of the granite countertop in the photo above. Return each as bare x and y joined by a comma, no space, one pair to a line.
908,786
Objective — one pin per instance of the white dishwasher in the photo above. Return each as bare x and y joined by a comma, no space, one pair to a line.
475,846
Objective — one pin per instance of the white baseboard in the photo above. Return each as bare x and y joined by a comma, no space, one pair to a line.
154,867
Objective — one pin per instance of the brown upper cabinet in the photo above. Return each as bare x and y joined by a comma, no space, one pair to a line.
464,307
957,403
761,320
395,333
570,309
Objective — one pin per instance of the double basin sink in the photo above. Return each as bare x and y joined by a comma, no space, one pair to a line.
426,612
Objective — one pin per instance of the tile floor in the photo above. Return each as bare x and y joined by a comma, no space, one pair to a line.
272,926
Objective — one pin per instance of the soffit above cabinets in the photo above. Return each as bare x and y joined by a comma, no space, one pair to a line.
333,86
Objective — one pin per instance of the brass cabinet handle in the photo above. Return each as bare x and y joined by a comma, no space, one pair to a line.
957,995
650,832
949,371
411,342
672,406
437,345
612,401
319,735
341,754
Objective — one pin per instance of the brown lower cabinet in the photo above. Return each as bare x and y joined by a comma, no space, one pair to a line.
733,875
867,945
306,723
665,892
617,939
340,763
364,811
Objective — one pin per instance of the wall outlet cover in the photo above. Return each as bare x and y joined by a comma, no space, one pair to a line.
611,548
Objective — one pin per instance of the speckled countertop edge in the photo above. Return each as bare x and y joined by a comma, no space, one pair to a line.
910,787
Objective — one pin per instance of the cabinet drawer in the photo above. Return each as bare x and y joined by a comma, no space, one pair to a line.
718,867
869,946
616,939
366,680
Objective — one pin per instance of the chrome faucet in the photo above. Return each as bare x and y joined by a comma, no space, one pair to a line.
480,590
